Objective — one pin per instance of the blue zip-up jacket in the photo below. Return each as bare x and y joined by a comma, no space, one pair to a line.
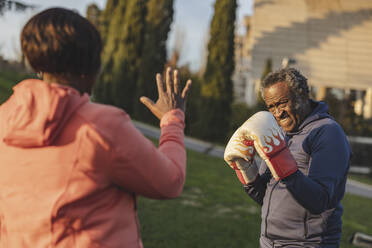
304,209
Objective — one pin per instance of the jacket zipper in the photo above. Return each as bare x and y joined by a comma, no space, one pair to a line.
305,225
268,207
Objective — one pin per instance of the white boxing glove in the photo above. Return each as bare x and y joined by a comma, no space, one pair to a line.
239,155
270,144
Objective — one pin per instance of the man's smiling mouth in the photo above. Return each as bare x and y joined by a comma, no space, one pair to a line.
284,120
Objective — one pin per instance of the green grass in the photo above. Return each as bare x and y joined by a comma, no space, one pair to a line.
5,89
367,179
215,212
357,217
7,81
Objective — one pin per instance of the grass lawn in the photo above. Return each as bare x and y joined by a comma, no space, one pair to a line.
367,179
215,212
5,89
7,81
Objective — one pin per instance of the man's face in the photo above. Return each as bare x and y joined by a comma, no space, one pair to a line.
284,106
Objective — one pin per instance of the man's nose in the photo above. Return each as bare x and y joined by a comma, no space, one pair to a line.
277,112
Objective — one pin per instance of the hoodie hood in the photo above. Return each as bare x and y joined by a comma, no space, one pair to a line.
36,112
320,111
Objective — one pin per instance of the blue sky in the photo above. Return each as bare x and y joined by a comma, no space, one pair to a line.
191,20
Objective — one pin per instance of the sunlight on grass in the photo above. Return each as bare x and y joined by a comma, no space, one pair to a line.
367,179
215,212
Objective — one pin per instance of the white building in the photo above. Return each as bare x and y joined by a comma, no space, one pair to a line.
244,88
329,40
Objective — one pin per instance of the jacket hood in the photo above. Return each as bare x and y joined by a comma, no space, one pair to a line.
320,111
36,112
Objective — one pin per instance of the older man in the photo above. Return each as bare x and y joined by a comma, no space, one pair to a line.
300,191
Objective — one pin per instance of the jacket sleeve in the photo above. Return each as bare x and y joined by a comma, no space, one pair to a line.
138,166
256,190
324,186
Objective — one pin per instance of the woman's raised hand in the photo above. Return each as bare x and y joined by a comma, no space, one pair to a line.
170,96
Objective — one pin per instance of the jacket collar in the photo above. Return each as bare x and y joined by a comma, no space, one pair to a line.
320,111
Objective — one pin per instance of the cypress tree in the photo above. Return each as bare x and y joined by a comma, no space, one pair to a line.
217,88
122,53
158,20
106,17
126,61
6,5
93,14
111,21
267,68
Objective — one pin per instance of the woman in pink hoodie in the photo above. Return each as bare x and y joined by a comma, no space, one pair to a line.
71,169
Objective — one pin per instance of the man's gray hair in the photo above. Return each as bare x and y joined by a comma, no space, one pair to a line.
296,82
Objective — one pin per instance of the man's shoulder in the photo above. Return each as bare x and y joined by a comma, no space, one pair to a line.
322,127
326,129
325,122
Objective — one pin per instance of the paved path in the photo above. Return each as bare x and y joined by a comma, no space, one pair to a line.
352,186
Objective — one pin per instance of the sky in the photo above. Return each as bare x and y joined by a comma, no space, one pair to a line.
190,24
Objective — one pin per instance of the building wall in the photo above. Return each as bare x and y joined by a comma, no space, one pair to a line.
244,87
331,41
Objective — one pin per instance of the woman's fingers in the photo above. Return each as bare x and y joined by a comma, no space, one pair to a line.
170,96
151,106
147,102
186,90
176,82
160,84
169,80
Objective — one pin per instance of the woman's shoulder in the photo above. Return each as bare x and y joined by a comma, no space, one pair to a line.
93,110
104,119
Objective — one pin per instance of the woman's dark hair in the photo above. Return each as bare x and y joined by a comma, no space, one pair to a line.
63,43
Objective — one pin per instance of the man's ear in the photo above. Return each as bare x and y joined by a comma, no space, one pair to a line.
298,100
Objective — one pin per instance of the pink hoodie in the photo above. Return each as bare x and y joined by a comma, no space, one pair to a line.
71,169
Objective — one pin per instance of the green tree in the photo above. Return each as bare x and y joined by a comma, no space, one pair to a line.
13,5
267,69
111,21
122,54
158,20
217,88
342,109
105,18
193,116
128,57
93,14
